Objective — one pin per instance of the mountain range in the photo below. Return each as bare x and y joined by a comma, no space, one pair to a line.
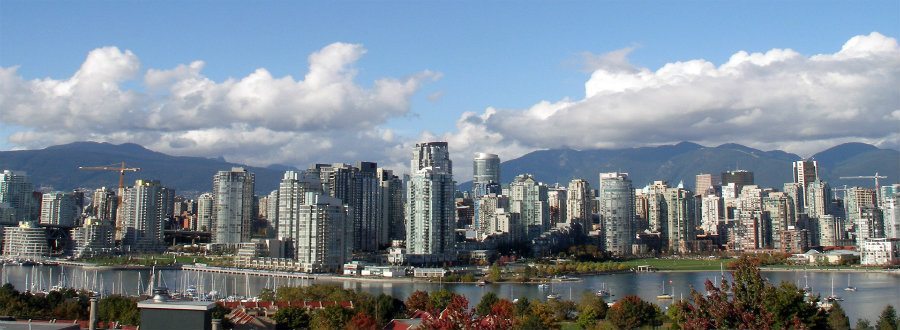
57,166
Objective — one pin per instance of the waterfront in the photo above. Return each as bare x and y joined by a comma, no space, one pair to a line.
875,289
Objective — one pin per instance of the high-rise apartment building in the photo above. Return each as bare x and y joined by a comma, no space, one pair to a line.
59,209
104,203
233,206
205,211
486,169
817,198
616,212
557,201
292,193
805,172
779,209
528,198
711,214
578,204
430,207
144,215
392,200
680,218
703,183
16,198
323,234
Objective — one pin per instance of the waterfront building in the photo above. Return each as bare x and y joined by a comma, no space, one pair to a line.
828,229
143,215
891,209
880,252
104,203
528,198
578,204
26,241
323,234
862,214
430,207
292,193
797,195
730,201
392,200
680,219
17,198
740,178
656,208
818,198
59,209
359,188
616,212
641,211
95,237
233,205
204,212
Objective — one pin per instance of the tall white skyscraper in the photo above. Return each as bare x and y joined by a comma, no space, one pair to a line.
431,208
232,206
528,198
616,212
680,218
323,233
578,204
292,194
144,215
805,171
205,211
59,209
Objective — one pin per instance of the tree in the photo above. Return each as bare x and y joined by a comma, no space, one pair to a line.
291,318
591,308
267,294
455,316
837,318
331,317
863,324
440,299
494,273
522,306
118,308
487,301
362,321
632,312
418,300
888,319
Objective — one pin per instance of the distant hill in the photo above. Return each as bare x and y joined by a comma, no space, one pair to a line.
674,163
57,166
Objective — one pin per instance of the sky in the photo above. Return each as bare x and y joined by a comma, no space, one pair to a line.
298,83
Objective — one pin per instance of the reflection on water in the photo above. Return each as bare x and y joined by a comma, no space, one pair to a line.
875,289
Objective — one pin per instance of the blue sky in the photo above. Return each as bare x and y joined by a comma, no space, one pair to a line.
502,54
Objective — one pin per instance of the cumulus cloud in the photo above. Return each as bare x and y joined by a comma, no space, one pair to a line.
257,119
778,99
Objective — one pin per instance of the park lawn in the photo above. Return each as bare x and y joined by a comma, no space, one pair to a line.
678,264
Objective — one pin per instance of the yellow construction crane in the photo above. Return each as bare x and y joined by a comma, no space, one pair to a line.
121,169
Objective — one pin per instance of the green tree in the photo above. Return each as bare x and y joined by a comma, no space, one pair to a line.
267,295
837,318
118,308
418,300
888,319
788,305
487,301
531,322
331,317
440,299
863,324
291,318
631,312
522,307
494,273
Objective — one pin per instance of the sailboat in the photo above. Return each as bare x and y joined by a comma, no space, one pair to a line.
603,292
849,287
833,297
552,294
664,295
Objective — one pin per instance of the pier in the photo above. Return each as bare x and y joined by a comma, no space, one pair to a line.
242,271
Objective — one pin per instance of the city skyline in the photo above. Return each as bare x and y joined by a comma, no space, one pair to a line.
614,88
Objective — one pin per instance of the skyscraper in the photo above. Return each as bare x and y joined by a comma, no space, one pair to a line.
680,218
578,204
818,198
392,197
866,219
486,171
528,198
144,215
205,212
805,172
292,194
703,183
59,209
431,208
616,212
16,198
322,233
233,206
104,203
740,178
557,200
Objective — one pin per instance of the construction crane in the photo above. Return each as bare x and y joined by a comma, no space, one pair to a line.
121,169
876,177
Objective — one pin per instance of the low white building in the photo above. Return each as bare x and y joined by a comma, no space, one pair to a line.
26,242
880,252
429,272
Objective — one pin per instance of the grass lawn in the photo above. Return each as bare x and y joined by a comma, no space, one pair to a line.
678,264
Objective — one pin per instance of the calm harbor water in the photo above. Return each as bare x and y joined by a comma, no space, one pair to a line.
875,289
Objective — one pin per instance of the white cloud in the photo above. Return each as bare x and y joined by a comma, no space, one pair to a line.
779,99
256,119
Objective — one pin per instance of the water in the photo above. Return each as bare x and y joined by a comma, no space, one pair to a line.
875,289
